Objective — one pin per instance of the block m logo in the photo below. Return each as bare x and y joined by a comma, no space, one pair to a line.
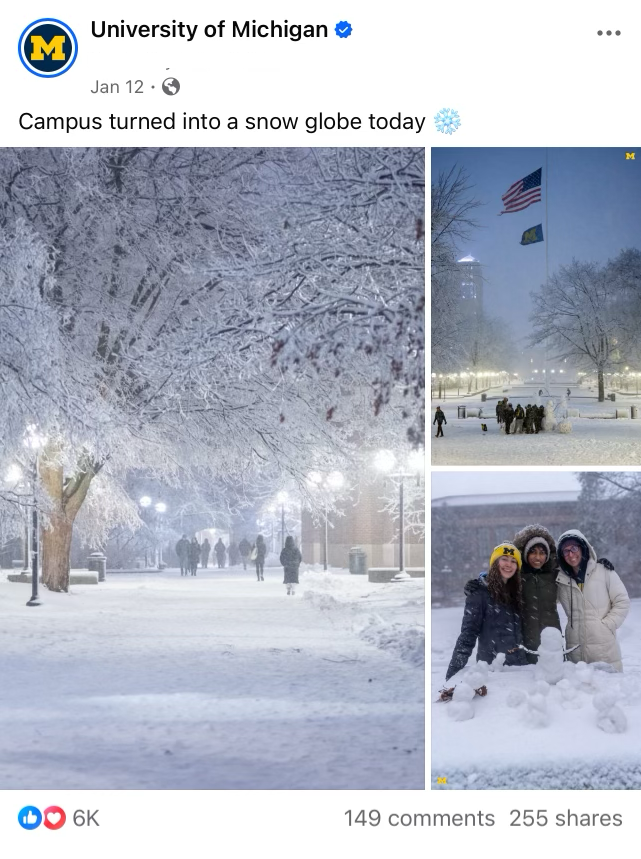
629,156
53,48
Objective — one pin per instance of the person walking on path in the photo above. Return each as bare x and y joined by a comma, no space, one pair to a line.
194,555
258,557
205,549
221,552
244,547
594,600
492,613
290,558
234,555
538,584
439,418
182,550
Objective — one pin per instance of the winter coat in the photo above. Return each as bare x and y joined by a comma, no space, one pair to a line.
439,418
220,550
291,559
234,554
261,551
538,589
519,413
244,548
496,626
508,414
182,549
500,407
594,610
205,549
194,551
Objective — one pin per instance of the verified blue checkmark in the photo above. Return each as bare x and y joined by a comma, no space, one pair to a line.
343,29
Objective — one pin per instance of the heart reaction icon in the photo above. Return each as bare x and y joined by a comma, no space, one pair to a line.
54,817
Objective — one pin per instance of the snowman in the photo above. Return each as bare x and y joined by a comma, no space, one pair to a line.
551,656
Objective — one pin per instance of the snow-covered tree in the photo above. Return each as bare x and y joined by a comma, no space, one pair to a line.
575,312
165,272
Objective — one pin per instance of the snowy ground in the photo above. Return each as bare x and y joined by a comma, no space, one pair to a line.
559,746
219,681
592,441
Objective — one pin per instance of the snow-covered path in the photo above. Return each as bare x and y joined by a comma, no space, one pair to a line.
218,681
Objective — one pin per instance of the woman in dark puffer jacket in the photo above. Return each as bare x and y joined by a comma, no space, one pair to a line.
538,582
492,614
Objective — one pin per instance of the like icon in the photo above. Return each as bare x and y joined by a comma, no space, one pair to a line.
54,817
29,817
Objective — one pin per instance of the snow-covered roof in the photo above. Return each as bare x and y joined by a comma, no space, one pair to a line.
507,498
468,258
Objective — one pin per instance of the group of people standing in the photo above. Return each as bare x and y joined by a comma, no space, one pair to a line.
525,420
191,552
507,607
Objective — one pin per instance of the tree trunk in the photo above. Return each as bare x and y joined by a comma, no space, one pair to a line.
601,386
56,552
65,500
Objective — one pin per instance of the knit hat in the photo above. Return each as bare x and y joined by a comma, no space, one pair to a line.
537,541
508,549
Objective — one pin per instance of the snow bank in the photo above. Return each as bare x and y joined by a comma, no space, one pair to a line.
389,616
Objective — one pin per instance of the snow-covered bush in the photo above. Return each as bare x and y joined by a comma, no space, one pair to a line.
564,426
611,717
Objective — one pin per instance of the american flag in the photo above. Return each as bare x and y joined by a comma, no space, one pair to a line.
523,193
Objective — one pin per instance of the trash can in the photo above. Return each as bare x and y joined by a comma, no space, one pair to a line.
635,411
357,561
613,397
461,411
97,562
484,398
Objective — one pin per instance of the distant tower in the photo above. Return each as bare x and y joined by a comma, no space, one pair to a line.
470,279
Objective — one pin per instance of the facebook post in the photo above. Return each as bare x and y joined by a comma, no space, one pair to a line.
212,305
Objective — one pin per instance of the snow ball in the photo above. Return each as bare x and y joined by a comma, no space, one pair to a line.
564,426
499,662
515,698
541,687
537,702
603,701
483,667
613,721
461,711
463,692
551,639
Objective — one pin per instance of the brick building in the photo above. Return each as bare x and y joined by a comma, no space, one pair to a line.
465,529
364,523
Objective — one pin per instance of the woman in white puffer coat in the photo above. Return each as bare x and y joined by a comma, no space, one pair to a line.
594,599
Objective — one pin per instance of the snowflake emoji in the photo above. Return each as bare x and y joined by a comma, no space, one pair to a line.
447,120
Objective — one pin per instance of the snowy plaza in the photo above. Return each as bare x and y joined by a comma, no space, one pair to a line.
151,681
598,436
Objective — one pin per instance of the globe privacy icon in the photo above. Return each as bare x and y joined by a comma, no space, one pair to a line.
29,817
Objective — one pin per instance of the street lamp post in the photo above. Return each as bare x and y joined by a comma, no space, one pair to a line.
34,441
160,507
386,462
328,485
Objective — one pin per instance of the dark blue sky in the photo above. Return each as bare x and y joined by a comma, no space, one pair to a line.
594,211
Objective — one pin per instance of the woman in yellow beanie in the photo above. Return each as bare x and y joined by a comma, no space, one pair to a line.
492,614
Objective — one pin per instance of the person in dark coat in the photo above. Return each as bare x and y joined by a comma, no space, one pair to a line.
194,555
182,550
519,417
439,418
538,418
221,551
244,547
508,416
492,614
527,423
234,554
205,549
259,551
538,584
291,559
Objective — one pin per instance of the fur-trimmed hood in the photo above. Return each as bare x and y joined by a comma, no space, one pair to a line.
475,585
523,537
